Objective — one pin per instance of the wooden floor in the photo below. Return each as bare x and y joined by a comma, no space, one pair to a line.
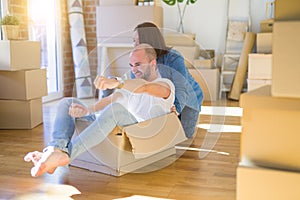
195,175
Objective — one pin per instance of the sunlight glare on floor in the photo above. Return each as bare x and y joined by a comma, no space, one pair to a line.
216,128
138,197
222,111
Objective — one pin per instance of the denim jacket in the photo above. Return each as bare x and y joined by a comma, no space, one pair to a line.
187,90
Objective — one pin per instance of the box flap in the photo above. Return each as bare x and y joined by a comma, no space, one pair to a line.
262,98
155,135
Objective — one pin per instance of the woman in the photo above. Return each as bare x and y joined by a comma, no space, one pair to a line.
188,94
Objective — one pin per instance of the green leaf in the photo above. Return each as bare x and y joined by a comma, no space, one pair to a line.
170,2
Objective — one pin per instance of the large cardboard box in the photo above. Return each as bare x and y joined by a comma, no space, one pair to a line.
287,10
130,148
23,85
254,182
266,26
209,81
260,66
19,55
179,39
253,84
15,114
286,59
204,63
270,133
190,53
112,28
264,43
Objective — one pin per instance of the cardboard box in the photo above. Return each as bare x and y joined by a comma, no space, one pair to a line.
264,43
270,134
254,84
130,148
23,85
204,63
19,55
190,53
254,182
266,26
124,22
179,39
117,2
15,114
260,66
287,10
209,81
286,59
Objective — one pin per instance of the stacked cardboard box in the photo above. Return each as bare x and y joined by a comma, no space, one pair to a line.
270,164
22,85
260,63
200,62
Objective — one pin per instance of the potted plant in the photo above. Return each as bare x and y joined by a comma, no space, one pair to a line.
180,12
10,27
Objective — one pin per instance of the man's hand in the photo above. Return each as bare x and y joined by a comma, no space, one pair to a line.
77,110
173,109
103,83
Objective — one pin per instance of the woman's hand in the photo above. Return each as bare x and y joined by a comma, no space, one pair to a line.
78,110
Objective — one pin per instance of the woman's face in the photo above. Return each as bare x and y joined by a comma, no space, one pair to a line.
135,38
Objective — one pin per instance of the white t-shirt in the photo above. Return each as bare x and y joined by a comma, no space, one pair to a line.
144,106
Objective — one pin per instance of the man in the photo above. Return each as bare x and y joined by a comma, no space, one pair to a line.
136,100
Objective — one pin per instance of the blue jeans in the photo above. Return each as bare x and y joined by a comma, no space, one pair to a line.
189,118
64,126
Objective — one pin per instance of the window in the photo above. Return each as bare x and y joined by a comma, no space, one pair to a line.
3,10
44,26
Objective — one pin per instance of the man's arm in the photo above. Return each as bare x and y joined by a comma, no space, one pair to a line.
158,89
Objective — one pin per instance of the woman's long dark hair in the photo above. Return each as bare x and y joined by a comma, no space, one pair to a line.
149,33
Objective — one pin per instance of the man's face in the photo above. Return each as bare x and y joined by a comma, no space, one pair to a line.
140,65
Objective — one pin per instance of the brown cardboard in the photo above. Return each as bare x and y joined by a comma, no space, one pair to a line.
179,39
209,82
264,43
15,114
286,59
129,148
124,22
254,182
204,63
19,55
270,134
287,10
23,85
190,53
260,66
253,84
266,26
241,71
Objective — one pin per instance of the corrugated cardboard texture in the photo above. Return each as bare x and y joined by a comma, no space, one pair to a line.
23,85
260,66
240,75
264,42
264,183
287,10
209,82
286,59
270,134
121,153
125,21
16,114
19,55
